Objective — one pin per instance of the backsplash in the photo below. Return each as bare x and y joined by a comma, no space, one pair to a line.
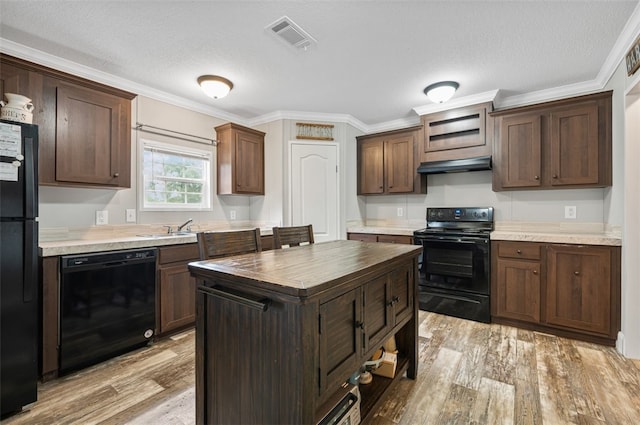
53,234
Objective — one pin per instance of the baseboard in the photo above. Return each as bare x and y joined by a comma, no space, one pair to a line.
620,343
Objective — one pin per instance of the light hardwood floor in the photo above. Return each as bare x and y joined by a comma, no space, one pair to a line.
469,373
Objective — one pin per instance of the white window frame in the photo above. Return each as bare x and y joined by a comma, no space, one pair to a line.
146,144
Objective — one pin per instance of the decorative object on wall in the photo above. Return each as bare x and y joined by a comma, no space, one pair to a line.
633,58
215,86
442,91
18,108
314,131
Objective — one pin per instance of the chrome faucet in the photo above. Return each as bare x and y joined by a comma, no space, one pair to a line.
182,226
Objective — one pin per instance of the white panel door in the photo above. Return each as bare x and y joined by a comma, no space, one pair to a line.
314,188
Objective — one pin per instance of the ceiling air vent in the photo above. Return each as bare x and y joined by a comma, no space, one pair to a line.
289,32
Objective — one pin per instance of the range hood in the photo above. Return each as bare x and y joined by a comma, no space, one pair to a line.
455,165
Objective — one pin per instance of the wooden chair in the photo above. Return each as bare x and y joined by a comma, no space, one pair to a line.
292,236
225,244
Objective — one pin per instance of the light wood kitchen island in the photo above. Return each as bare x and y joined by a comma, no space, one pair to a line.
277,332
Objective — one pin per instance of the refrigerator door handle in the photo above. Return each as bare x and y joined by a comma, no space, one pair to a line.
30,261
31,177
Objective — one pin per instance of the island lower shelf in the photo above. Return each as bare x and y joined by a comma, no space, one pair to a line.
372,394
272,352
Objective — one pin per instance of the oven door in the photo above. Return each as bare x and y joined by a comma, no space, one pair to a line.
454,275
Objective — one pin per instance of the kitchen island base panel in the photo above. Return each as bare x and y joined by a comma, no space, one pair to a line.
265,364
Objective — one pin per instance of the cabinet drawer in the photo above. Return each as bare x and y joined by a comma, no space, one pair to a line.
363,237
395,239
184,252
527,251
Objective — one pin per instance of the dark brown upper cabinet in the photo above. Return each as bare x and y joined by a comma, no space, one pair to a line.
240,160
554,145
458,133
84,126
387,163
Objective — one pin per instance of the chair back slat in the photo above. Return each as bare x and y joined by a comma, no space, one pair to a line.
224,244
292,236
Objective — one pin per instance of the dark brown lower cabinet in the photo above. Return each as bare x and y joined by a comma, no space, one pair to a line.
563,289
580,289
278,332
373,237
176,288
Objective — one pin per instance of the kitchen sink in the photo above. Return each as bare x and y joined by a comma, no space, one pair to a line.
165,235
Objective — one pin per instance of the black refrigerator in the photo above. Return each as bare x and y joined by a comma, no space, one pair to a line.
19,315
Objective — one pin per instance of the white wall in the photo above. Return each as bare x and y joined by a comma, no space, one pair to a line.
270,207
631,237
76,207
274,206
474,189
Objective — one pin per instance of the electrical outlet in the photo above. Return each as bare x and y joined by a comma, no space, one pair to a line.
400,212
102,217
130,215
232,214
570,212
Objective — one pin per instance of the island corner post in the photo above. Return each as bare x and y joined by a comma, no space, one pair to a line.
278,332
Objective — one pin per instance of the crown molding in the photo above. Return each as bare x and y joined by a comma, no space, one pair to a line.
309,116
616,55
460,102
625,40
393,125
33,55
546,95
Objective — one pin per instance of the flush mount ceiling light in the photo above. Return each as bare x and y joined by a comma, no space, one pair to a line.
215,86
442,91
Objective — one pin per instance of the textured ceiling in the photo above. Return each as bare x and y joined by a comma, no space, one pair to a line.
371,61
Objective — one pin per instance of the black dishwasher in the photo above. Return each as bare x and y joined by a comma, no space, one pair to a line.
107,305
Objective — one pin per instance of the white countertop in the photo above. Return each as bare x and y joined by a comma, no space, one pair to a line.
556,232
381,230
113,242
81,246
562,232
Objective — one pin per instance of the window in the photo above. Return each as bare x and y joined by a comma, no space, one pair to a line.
175,177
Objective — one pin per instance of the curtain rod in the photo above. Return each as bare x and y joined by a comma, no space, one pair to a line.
180,135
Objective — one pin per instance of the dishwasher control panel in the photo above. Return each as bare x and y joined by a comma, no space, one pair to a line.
108,258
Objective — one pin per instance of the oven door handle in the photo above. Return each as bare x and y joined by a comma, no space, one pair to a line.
455,240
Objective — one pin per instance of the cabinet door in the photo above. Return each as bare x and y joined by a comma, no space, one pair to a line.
249,162
574,145
371,167
401,294
177,298
399,163
579,287
520,151
517,290
340,338
377,312
91,137
455,129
